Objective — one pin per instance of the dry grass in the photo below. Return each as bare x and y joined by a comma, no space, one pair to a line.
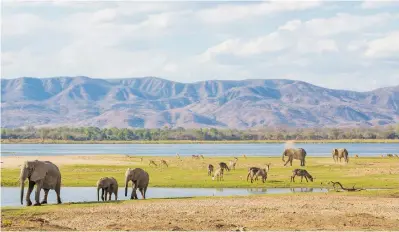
293,212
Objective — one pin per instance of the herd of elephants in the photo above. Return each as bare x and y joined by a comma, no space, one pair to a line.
46,175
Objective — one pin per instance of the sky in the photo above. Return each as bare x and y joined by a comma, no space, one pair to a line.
340,45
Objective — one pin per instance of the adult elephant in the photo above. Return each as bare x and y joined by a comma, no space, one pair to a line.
339,153
45,175
108,185
140,180
294,153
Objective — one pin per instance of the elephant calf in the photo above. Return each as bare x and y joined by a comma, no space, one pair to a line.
339,153
140,180
108,185
292,153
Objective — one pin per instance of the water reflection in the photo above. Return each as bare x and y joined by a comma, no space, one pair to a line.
10,195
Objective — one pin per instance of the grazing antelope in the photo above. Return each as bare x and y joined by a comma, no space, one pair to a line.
302,173
218,174
232,164
390,155
153,163
223,165
210,169
262,173
356,156
163,162
195,156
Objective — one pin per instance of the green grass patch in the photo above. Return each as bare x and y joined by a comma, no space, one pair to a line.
362,172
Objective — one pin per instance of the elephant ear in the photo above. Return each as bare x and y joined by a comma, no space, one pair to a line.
39,171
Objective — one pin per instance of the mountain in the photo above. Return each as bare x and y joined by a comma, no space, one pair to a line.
152,102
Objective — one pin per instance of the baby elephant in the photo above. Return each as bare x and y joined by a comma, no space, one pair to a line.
108,185
210,169
302,173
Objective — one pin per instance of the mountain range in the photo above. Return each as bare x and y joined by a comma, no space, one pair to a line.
151,102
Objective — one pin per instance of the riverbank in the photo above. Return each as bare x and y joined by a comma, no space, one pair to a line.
50,141
85,170
305,211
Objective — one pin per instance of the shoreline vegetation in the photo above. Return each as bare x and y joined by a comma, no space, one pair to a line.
179,135
60,141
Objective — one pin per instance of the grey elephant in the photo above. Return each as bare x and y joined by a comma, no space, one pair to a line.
339,153
294,153
45,175
140,180
108,185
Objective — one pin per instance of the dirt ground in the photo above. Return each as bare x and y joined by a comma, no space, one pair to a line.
294,212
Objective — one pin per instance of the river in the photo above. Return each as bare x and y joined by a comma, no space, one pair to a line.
275,149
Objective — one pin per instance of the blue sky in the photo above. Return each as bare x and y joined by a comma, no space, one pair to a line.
346,45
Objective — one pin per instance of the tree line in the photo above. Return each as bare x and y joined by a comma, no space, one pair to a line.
126,134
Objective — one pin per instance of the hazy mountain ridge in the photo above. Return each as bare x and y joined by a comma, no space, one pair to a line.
154,102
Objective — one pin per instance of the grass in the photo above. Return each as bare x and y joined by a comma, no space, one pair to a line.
50,141
362,172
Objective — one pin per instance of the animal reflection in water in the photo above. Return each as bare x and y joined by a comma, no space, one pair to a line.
257,190
301,190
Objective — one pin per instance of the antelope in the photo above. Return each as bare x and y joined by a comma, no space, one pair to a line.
210,169
195,156
153,163
223,165
163,162
233,163
218,174
245,157
356,156
141,159
262,173
302,173
177,155
202,156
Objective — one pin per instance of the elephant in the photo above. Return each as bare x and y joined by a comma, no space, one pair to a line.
45,175
107,185
340,153
140,180
293,153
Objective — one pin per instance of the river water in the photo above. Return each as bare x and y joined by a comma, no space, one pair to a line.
317,150
10,195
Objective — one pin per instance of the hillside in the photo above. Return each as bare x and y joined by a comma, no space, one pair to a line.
153,102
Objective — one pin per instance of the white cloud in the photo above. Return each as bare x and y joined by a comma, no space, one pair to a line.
385,47
230,13
21,24
340,23
373,4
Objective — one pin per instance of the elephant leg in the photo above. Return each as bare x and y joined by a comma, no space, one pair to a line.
287,162
39,185
102,194
145,191
291,162
106,195
58,192
301,178
110,194
134,194
30,189
45,196
142,192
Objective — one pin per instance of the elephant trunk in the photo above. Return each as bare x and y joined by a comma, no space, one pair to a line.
22,180
126,184
283,156
98,193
